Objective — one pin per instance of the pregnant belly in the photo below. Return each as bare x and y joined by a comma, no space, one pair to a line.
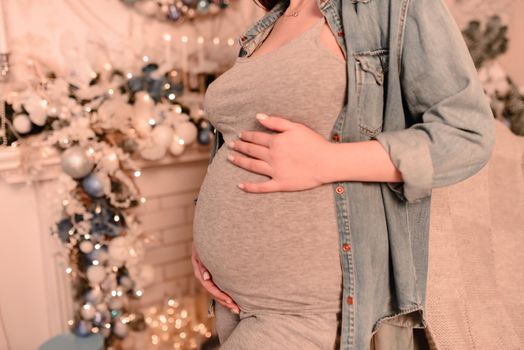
273,251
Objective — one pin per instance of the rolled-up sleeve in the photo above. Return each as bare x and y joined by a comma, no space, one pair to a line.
453,134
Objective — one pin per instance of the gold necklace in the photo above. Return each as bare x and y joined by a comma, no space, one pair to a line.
295,13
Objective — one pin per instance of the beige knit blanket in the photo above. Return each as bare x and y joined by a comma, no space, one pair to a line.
475,296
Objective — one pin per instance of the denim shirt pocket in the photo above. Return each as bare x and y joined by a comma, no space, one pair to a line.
370,75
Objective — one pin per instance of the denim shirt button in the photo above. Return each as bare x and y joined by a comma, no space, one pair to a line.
349,300
339,189
335,137
341,33
346,247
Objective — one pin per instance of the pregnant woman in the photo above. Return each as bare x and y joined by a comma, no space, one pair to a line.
268,222
255,245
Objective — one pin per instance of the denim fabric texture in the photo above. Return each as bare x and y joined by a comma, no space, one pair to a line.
413,87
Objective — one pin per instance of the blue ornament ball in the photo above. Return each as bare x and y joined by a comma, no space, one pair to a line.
63,227
99,319
82,328
93,185
173,13
101,254
204,136
94,296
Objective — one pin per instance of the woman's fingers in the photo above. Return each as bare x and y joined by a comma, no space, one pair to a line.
234,309
198,268
219,295
204,277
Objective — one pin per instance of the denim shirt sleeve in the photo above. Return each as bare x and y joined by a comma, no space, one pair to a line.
453,133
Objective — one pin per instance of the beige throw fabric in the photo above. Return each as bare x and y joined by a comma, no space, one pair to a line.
476,257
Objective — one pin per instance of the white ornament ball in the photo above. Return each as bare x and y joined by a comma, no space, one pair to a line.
94,296
162,135
86,247
152,151
88,311
96,274
108,283
22,123
120,329
187,131
143,110
177,147
37,109
118,249
142,126
75,162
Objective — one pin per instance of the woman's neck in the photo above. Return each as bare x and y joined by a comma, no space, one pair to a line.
307,6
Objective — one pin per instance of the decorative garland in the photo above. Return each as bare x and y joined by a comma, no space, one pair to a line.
487,41
178,10
98,129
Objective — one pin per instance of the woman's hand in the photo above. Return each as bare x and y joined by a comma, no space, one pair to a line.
204,277
293,158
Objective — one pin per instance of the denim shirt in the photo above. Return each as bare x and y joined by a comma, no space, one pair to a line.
413,87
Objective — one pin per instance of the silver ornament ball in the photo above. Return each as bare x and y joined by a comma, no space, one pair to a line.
75,162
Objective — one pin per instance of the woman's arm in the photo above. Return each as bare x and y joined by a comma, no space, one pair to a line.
455,133
358,161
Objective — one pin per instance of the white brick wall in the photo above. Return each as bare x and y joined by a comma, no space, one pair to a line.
167,215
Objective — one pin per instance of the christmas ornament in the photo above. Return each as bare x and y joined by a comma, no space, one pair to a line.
177,146
187,131
118,249
162,136
37,108
22,124
86,246
93,184
178,10
94,295
75,162
143,113
96,274
82,328
120,328
88,311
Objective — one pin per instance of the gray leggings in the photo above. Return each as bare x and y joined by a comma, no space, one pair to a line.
315,332
267,331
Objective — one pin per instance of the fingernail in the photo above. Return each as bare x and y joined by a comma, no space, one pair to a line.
241,186
230,157
229,301
231,144
261,116
235,311
206,276
239,135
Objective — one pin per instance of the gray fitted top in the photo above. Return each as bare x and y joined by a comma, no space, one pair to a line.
254,244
